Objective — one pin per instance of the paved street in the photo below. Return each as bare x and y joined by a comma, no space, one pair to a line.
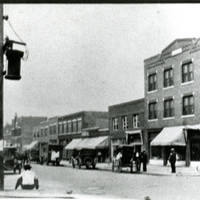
115,185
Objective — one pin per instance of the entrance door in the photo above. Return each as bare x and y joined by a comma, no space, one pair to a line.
195,150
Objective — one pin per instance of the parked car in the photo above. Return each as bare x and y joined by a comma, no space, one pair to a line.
11,160
85,157
126,158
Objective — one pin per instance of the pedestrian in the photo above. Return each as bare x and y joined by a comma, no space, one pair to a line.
137,161
172,160
27,179
144,160
119,160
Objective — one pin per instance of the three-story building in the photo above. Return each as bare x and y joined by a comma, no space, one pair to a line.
172,100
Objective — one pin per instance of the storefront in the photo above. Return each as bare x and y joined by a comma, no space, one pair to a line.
184,139
135,139
99,144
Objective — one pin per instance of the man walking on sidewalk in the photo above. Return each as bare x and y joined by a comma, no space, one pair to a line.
172,160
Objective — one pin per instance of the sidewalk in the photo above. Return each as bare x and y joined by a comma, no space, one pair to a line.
157,170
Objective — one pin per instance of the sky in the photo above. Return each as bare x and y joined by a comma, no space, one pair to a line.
88,56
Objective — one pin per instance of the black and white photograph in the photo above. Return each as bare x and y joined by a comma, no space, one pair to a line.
100,101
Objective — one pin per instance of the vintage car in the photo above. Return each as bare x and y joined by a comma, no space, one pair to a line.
85,157
126,158
12,161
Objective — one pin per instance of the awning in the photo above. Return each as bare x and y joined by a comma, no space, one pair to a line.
88,143
30,146
170,136
73,144
94,143
193,127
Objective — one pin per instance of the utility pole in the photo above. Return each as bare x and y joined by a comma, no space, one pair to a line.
1,98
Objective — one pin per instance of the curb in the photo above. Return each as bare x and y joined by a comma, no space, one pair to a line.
180,174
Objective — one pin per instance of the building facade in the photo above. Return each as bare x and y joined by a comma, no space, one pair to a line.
76,125
126,124
172,98
46,133
20,130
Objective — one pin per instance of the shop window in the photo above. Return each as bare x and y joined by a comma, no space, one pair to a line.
187,72
188,105
168,77
156,152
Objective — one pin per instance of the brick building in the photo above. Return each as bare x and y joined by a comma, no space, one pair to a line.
126,124
46,133
79,125
172,100
21,130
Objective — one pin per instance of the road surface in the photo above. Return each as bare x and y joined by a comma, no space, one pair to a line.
117,185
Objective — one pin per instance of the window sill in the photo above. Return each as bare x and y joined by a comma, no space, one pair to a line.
152,120
186,83
168,118
185,116
169,87
152,91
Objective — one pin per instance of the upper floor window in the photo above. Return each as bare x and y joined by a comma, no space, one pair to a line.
168,77
79,124
45,131
74,125
63,127
187,72
115,124
60,127
124,122
69,126
153,110
136,122
169,108
152,82
188,105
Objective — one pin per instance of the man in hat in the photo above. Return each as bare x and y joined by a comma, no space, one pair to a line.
27,179
172,160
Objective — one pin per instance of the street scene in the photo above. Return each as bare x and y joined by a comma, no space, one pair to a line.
100,101
104,184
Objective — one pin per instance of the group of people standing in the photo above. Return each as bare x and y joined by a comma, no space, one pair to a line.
140,158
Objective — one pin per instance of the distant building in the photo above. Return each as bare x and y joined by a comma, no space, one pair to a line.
172,101
126,124
81,124
8,133
20,130
45,133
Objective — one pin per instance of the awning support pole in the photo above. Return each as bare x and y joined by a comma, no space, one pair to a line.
187,152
